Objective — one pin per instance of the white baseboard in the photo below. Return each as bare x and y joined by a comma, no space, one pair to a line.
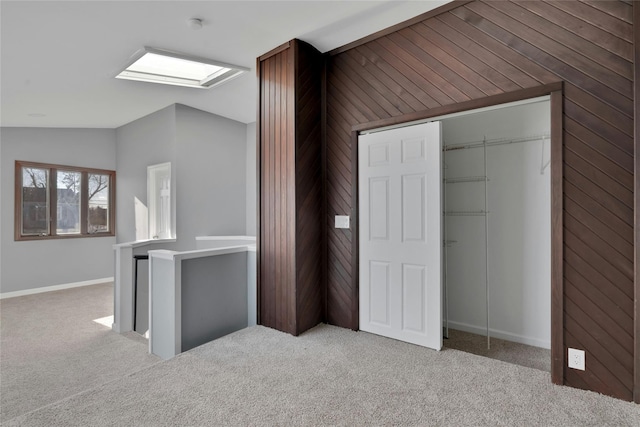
14,294
508,336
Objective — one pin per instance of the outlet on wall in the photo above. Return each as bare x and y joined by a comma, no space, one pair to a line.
576,359
342,221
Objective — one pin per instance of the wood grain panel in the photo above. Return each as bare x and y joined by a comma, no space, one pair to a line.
431,40
308,188
567,41
599,178
597,18
394,78
614,305
522,65
574,24
603,146
567,64
616,358
589,103
609,168
477,49
557,245
636,219
290,277
586,202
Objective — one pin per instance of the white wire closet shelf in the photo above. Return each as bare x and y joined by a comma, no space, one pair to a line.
466,179
492,142
466,213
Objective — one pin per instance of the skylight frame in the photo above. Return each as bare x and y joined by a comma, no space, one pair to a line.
227,73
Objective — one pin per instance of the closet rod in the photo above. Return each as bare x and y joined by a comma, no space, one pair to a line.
491,142
466,213
462,179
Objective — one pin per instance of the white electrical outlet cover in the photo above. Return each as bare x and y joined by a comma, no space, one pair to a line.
342,221
576,359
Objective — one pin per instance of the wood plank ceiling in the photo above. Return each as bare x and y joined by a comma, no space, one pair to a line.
484,48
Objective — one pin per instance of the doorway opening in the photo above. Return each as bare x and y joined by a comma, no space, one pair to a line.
495,211
497,233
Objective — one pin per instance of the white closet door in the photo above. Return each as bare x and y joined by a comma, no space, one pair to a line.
400,234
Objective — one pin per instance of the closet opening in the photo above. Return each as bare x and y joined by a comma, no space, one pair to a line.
499,290
496,224
459,228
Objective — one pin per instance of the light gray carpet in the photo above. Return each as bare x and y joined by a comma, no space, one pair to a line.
507,351
69,371
50,348
331,376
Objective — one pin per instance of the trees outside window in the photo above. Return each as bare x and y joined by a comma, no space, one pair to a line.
54,201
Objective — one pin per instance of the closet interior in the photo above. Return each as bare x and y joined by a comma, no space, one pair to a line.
497,232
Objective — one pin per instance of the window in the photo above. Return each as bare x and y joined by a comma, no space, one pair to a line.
173,68
54,201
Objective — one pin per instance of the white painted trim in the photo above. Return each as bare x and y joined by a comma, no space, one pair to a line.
508,336
14,294
250,238
140,243
198,253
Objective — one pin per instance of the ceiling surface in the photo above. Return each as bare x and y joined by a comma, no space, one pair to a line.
58,59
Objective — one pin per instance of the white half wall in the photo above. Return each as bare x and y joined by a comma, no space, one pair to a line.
34,264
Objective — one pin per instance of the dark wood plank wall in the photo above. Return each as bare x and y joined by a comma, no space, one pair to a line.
480,49
289,279
277,191
309,63
636,94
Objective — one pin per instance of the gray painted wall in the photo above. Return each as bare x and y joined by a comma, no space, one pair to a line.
210,176
144,142
251,179
209,156
208,162
34,264
214,298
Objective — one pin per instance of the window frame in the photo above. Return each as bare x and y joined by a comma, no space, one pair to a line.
52,201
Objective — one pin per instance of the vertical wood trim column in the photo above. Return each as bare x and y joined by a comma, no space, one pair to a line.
309,186
557,257
259,119
290,188
636,199
323,175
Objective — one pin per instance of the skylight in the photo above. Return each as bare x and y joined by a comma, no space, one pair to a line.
160,66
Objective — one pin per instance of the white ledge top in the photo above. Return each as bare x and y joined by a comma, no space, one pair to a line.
200,253
139,243
248,238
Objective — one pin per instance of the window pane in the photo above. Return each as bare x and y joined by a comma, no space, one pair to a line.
160,65
68,207
35,201
98,221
